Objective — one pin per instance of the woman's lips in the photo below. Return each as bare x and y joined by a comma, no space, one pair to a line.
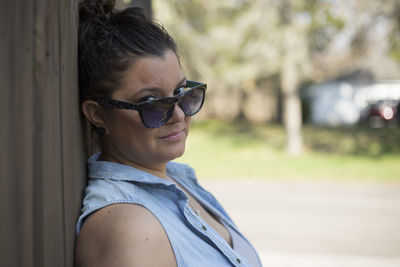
173,136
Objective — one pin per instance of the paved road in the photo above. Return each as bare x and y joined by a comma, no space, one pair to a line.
316,224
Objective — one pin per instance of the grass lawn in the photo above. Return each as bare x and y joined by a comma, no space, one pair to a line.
239,150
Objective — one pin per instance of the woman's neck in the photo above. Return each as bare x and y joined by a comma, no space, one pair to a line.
159,170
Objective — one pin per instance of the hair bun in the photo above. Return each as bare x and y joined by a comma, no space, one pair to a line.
95,9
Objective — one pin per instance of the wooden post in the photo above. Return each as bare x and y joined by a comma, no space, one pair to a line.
42,158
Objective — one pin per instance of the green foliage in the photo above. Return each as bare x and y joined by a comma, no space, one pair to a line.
222,39
242,150
357,141
324,26
233,44
394,39
354,141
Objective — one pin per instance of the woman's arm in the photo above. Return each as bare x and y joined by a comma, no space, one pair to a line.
123,235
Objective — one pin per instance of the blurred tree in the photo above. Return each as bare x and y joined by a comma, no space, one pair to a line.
230,44
291,57
248,50
395,31
368,40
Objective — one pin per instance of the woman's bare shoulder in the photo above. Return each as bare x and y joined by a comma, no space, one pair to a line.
123,235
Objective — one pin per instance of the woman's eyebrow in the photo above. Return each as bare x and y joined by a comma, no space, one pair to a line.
182,81
152,89
155,89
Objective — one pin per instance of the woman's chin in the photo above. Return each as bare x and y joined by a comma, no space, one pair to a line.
175,153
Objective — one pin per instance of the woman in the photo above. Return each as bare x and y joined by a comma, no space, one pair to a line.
141,209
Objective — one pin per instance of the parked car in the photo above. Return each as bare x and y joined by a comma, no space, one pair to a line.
381,113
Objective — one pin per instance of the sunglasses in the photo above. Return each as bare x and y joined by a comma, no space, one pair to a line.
155,112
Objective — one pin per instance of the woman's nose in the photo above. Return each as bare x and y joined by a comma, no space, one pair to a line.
178,114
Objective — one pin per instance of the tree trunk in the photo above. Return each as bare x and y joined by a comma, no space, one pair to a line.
291,99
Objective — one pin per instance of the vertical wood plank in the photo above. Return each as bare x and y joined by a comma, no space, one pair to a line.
16,134
47,187
73,156
42,163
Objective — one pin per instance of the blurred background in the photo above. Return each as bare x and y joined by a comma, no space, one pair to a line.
299,136
312,83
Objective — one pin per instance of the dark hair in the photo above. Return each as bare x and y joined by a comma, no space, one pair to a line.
110,40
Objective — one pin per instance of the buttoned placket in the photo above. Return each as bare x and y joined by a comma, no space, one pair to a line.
204,229
198,223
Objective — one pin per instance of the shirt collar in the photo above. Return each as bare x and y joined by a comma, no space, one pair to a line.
116,171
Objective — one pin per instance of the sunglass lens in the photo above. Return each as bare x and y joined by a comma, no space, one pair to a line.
155,114
192,101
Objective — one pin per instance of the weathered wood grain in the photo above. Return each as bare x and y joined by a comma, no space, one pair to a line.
42,153
42,159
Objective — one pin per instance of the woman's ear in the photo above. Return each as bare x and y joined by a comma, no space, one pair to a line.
94,113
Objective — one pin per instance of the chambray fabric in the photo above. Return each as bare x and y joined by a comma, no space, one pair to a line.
193,241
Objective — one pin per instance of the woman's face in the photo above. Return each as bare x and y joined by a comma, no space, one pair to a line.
127,140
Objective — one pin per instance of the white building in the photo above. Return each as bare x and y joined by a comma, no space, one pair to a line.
341,103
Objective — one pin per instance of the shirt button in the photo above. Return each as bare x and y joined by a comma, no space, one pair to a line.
188,171
204,228
238,260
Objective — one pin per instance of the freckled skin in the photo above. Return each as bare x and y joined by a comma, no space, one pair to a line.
116,243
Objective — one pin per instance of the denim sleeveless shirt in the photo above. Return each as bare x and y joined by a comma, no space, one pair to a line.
193,241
